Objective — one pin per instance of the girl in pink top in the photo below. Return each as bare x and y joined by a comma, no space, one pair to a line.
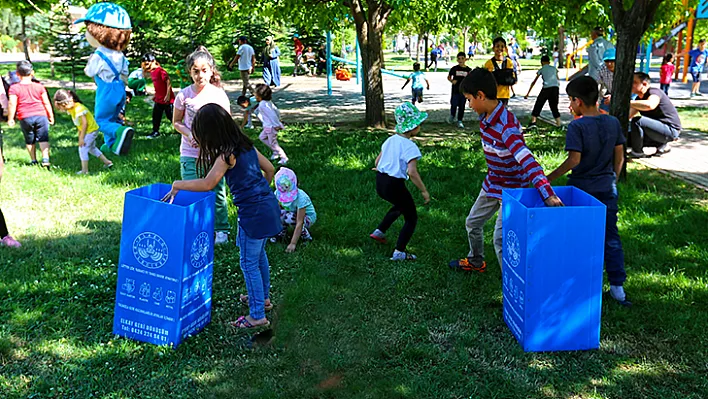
205,90
667,71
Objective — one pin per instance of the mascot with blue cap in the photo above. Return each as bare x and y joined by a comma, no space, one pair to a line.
108,30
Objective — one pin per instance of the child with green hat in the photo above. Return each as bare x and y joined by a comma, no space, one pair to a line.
397,161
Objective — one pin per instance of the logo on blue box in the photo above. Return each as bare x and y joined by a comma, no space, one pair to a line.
200,250
150,250
513,248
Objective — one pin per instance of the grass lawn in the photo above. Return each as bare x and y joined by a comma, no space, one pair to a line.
694,118
348,322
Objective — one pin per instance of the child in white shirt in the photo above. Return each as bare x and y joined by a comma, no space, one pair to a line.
269,116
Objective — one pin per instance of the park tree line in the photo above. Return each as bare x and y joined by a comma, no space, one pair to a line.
171,28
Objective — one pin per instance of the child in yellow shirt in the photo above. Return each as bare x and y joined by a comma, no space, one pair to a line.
503,70
68,101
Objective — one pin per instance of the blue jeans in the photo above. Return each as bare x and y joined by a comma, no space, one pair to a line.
457,105
647,132
256,272
614,254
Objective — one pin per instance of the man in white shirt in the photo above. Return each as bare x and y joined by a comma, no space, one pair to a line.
246,58
596,51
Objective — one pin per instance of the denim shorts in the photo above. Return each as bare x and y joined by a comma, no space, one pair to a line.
417,94
696,76
35,129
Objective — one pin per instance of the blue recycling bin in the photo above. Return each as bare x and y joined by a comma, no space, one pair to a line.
165,269
552,269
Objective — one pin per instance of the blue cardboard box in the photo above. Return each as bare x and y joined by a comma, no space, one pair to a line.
165,269
552,269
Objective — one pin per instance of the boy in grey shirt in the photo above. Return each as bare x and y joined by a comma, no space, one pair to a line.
549,92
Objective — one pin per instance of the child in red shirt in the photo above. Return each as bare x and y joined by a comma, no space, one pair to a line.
667,71
29,101
164,96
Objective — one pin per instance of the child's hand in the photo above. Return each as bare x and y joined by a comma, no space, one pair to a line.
526,97
81,141
290,249
11,123
51,120
170,196
553,201
426,196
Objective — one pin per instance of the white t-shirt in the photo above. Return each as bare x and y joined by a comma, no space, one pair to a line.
269,114
244,62
550,76
396,152
136,74
96,65
190,102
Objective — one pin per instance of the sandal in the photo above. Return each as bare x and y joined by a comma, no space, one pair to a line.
244,301
242,322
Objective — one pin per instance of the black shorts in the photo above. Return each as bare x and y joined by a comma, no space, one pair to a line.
35,129
311,64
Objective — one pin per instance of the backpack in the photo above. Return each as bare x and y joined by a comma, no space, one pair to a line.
504,76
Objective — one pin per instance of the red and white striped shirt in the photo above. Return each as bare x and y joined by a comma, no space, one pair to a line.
510,164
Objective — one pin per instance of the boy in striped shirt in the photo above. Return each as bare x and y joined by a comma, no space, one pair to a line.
510,164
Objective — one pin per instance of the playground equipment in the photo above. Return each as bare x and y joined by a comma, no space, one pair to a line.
581,70
356,63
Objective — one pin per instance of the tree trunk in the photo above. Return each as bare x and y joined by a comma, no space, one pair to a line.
425,51
417,46
25,39
561,47
370,25
464,46
630,25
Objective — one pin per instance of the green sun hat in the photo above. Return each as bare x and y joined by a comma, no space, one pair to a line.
408,117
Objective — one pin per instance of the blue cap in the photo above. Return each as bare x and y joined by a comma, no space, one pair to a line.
296,35
609,54
108,14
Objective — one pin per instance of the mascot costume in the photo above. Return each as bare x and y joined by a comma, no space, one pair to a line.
108,30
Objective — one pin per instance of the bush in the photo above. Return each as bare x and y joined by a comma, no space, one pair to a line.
7,43
227,52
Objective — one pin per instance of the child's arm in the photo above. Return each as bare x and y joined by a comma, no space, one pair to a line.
168,92
83,125
48,107
405,84
177,122
206,184
450,79
2,164
245,118
299,224
11,110
415,178
266,167
512,141
619,159
376,162
532,84
572,161
3,101
427,83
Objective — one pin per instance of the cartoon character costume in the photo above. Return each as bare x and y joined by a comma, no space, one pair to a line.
108,29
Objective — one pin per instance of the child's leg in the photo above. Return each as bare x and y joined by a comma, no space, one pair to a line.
29,132
42,136
498,236
538,105
460,106
553,103
264,268
453,106
405,202
614,253
156,117
264,137
84,155
385,187
90,143
168,112
250,254
482,210
277,149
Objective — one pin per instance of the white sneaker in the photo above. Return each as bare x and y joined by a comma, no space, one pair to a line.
283,162
460,125
274,157
222,237
249,126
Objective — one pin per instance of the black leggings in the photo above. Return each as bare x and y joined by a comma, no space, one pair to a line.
3,226
157,111
549,94
394,191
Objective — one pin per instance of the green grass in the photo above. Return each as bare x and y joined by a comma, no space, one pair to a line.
694,118
348,323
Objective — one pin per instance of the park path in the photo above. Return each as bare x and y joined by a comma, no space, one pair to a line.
304,100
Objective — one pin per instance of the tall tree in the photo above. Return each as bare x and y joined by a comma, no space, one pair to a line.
24,9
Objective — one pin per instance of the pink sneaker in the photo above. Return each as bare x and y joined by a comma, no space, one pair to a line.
8,241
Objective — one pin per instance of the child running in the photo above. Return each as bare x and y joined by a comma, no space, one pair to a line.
417,77
29,102
249,105
269,116
667,72
164,96
397,161
595,155
6,239
296,208
206,89
549,92
69,102
510,164
457,100
227,153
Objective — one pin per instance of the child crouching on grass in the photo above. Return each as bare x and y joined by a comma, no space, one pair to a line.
510,164
397,161
249,106
297,209
595,155
228,153
69,102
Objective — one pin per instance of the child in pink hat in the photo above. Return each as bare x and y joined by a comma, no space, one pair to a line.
296,208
